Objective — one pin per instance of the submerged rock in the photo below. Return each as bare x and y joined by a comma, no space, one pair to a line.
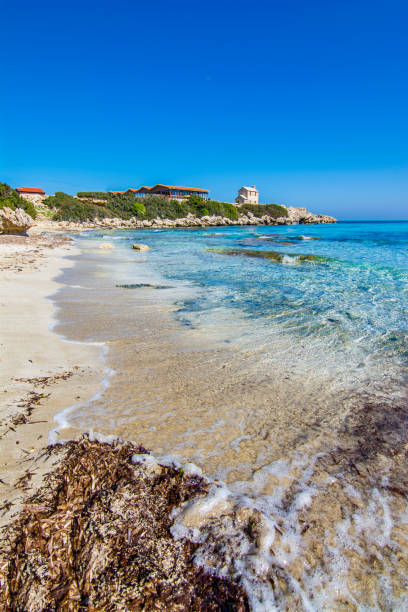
14,221
106,246
140,247
275,256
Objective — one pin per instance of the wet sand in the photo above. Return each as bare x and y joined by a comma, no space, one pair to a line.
313,515
316,470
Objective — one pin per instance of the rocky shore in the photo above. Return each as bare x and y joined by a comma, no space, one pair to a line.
295,216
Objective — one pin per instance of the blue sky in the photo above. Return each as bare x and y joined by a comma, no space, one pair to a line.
308,100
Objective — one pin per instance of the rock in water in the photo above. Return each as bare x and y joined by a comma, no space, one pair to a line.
14,221
106,246
140,247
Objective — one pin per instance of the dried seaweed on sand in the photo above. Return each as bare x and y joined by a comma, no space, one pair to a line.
96,536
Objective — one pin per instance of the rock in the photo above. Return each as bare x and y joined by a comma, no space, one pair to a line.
14,221
106,246
303,216
140,247
200,512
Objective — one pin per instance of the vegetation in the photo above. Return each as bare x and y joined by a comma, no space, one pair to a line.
125,206
68,208
10,197
273,210
139,209
85,206
98,195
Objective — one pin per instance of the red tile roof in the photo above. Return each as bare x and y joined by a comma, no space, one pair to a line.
116,192
159,185
30,190
140,189
181,188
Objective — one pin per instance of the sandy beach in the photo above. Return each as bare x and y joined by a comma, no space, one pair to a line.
258,482
40,373
48,491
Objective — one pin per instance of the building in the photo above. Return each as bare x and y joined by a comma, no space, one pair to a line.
33,194
117,192
171,191
247,195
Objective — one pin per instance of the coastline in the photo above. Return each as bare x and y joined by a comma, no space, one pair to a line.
41,373
295,216
46,489
291,513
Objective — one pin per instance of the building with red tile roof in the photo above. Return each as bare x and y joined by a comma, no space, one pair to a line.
33,190
171,191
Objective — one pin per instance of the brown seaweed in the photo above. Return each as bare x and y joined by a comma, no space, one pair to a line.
97,536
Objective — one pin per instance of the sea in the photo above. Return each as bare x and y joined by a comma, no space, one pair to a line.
272,360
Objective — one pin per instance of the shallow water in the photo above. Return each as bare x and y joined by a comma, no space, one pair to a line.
283,377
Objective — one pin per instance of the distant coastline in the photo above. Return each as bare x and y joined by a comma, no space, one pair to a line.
295,216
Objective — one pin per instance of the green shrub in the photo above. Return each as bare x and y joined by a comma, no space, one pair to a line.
125,205
97,195
29,208
273,210
121,204
160,206
10,197
139,209
69,208
223,209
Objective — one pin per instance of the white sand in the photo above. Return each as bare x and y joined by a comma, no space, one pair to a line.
29,349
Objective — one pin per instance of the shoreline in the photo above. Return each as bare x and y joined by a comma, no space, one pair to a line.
42,373
48,486
291,514
296,216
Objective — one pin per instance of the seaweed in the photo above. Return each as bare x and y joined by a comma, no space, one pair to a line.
143,285
275,256
97,536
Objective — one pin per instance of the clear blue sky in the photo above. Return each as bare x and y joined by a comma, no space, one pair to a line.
306,99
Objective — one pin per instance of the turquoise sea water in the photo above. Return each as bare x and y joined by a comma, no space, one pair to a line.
350,303
283,376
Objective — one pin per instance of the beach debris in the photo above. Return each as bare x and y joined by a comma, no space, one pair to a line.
143,286
140,247
97,536
44,381
14,221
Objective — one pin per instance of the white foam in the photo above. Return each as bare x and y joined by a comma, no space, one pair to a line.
61,418
289,260
95,436
190,469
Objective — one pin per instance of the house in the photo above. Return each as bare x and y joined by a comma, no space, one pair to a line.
117,192
171,191
28,190
33,194
247,195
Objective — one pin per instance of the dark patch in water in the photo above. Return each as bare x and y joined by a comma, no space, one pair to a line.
250,241
378,429
288,239
271,255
